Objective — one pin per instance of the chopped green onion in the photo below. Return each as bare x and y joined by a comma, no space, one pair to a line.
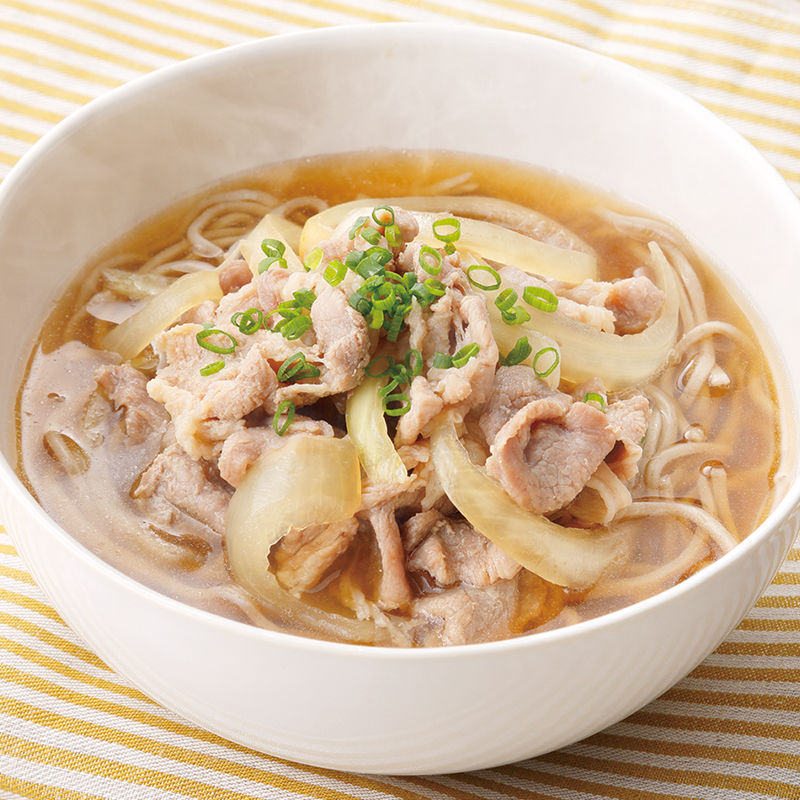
436,288
393,236
274,248
505,299
294,327
287,406
515,316
540,298
335,271
305,297
266,263
396,398
430,260
467,352
423,294
203,336
442,361
360,303
447,230
357,226
449,248
370,235
595,399
313,259
518,353
250,321
383,297
368,267
379,254
214,366
544,351
484,268
288,309
390,387
353,258
296,368
235,318
375,318
383,222
395,326
416,357
371,366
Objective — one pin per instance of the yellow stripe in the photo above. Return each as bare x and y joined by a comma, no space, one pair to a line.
161,27
732,699
764,21
8,158
769,625
74,45
145,744
58,66
759,649
31,604
147,718
428,784
681,777
761,674
29,111
8,549
794,554
353,11
685,749
777,601
16,574
687,722
29,138
94,765
110,33
38,791
788,579
59,642
44,88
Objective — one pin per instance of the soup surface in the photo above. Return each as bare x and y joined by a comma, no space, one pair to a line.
407,399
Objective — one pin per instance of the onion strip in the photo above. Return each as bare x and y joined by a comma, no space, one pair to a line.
570,557
130,337
271,226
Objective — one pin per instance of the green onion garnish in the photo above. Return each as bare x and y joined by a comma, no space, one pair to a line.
383,297
505,299
357,226
442,361
266,263
375,318
370,235
274,250
214,366
595,399
484,268
540,298
304,297
294,327
335,271
390,387
518,353
430,260
467,352
203,336
360,303
399,397
296,368
313,259
371,367
287,406
248,322
515,316
382,219
353,258
393,236
435,287
379,254
543,352
447,230
415,357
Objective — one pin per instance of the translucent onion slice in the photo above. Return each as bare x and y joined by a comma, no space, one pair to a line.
366,425
569,557
507,335
272,226
620,361
134,334
310,480
490,241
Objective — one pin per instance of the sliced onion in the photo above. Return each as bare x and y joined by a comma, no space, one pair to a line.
135,333
620,361
272,226
310,480
366,425
489,240
569,557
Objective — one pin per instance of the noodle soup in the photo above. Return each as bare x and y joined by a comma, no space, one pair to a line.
402,470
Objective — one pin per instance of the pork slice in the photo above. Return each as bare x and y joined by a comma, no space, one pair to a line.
425,405
244,447
454,552
628,420
515,387
465,614
394,590
635,303
302,557
543,459
234,275
192,487
126,387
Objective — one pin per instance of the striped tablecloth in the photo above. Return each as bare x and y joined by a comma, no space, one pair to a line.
70,728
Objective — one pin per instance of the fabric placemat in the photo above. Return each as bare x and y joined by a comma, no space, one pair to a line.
71,729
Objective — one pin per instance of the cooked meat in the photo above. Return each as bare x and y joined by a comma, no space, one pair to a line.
394,589
192,487
234,275
126,387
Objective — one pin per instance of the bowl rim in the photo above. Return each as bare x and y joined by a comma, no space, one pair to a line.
400,33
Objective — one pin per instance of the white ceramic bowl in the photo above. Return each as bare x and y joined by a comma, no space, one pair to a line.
143,146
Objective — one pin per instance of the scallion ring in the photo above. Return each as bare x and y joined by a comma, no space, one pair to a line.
370,235
291,366
413,362
313,259
382,220
214,366
371,367
250,321
484,268
393,236
356,227
506,299
430,260
204,335
467,352
273,248
399,397
515,316
540,298
335,271
518,353
593,398
383,297
435,287
287,407
543,352
447,230
442,361
295,327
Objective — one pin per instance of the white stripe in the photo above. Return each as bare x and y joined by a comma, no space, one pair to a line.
763,688
766,716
